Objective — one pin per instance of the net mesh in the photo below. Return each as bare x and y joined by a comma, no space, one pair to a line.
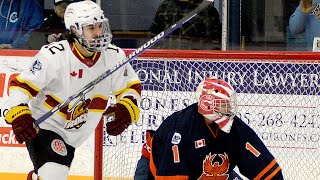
279,99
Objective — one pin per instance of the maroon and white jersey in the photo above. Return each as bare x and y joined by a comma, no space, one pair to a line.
57,72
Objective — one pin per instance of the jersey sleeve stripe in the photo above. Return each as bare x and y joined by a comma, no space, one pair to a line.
265,170
21,89
273,173
28,83
133,90
172,177
136,85
128,92
98,103
53,101
27,86
64,115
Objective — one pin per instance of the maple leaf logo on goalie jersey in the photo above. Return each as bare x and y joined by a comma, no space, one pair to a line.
77,115
213,169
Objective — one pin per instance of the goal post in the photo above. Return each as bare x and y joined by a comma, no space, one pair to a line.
278,96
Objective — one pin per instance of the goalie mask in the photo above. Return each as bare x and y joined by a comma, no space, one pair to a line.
92,27
217,102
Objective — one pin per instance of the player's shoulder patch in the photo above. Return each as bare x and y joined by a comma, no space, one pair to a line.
36,66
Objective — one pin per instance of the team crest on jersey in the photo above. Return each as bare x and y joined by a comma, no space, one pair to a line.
176,138
59,147
36,66
215,167
77,115
13,17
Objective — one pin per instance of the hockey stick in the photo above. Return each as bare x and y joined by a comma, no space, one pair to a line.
130,57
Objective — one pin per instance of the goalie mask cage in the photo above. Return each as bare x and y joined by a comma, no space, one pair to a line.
278,96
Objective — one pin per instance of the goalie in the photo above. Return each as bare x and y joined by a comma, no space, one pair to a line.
61,69
206,140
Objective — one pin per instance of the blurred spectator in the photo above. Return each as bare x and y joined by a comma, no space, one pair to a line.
305,19
205,28
54,23
18,19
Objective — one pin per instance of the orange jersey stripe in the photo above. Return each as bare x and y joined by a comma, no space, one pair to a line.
273,173
153,167
172,177
265,170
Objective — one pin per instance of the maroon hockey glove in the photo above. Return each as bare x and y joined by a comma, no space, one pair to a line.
120,119
22,123
122,115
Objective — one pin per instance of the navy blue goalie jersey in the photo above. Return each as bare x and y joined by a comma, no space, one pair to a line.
186,147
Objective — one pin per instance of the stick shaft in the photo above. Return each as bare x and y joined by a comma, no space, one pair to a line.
130,57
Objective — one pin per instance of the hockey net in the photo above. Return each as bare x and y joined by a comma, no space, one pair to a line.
278,96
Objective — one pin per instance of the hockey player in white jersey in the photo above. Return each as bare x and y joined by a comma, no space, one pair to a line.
58,71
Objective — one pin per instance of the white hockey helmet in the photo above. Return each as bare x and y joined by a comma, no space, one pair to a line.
216,98
87,13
